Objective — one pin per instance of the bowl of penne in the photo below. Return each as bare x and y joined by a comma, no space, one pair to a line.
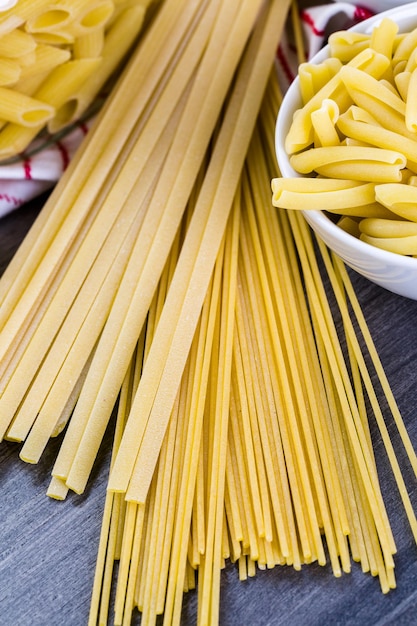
346,145
58,61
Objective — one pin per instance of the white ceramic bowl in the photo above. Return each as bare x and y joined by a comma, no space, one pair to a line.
376,6
394,272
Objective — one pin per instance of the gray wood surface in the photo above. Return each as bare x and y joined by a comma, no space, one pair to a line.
48,548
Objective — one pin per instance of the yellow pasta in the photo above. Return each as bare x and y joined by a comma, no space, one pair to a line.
242,428
90,45
383,37
381,116
16,44
324,123
320,193
354,163
119,38
10,72
405,47
376,227
356,125
411,102
42,35
400,199
300,134
51,18
91,18
314,77
345,45
25,110
365,87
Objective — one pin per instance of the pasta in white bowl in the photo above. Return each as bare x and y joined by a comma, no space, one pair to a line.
371,192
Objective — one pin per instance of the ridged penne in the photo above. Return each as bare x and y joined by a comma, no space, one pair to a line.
41,35
9,72
89,45
16,44
65,79
118,40
21,109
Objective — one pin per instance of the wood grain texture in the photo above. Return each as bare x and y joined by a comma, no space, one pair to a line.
48,548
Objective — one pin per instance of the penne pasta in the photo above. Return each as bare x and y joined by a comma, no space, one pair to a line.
117,42
90,18
16,43
41,36
10,72
65,79
20,109
90,44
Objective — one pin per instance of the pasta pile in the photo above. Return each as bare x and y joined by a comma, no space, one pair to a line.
55,59
355,137
159,284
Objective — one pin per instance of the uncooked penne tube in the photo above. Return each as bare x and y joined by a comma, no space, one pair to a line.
90,44
9,72
118,40
16,44
55,90
21,109
92,17
65,79
45,60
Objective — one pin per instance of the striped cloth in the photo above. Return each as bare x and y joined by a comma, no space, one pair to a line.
30,176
